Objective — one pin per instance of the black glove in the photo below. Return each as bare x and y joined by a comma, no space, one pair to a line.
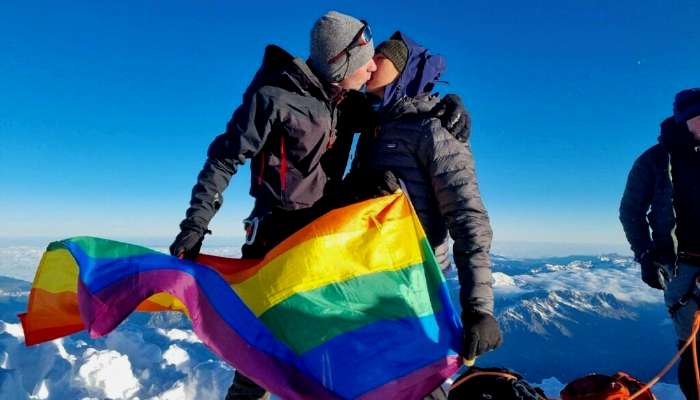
188,242
481,334
654,272
454,117
362,184
383,182
371,183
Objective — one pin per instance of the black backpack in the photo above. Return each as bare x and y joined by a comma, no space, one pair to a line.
493,384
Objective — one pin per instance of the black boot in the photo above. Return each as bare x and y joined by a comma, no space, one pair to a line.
243,388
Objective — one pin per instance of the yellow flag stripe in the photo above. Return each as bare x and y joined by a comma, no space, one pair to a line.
332,258
57,272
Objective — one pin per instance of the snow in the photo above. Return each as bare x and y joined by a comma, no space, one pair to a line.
176,356
502,280
107,373
179,335
12,329
621,279
177,392
41,392
63,353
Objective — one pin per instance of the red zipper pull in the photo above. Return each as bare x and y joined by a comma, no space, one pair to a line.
283,165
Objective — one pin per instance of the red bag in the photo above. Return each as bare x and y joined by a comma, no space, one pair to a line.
620,386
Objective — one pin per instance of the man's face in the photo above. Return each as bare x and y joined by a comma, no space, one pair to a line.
385,74
359,77
694,127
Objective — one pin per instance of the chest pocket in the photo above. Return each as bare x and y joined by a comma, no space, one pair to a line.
391,151
307,137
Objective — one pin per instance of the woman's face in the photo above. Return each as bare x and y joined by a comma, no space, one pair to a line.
693,126
385,74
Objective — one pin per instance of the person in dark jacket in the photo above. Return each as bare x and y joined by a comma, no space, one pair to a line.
286,125
295,124
437,169
660,213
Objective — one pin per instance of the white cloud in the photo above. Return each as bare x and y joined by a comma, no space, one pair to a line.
12,329
177,392
176,356
625,283
108,373
502,280
20,261
505,286
619,277
179,335
130,341
63,353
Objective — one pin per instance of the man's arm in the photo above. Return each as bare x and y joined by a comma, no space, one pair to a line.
244,137
635,204
451,167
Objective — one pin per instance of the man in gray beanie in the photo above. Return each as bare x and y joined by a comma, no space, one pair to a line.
662,197
288,126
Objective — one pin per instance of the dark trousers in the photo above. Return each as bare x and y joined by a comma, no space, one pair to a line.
273,229
686,374
683,318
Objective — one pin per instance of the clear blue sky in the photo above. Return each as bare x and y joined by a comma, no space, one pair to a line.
107,108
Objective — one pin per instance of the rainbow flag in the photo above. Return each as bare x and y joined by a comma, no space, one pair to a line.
354,305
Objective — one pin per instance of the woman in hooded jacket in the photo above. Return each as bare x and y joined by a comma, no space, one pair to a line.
437,171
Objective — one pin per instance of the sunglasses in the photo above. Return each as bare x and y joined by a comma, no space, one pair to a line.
362,38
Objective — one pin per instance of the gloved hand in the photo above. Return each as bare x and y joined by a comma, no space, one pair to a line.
366,183
382,182
454,117
188,242
654,272
360,185
481,334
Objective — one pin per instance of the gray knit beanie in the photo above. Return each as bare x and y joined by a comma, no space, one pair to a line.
331,34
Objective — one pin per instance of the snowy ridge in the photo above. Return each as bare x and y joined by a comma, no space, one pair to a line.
541,312
10,287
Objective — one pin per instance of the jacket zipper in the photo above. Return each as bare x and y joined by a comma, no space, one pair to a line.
283,165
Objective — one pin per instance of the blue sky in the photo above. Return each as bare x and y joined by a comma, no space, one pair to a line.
107,109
